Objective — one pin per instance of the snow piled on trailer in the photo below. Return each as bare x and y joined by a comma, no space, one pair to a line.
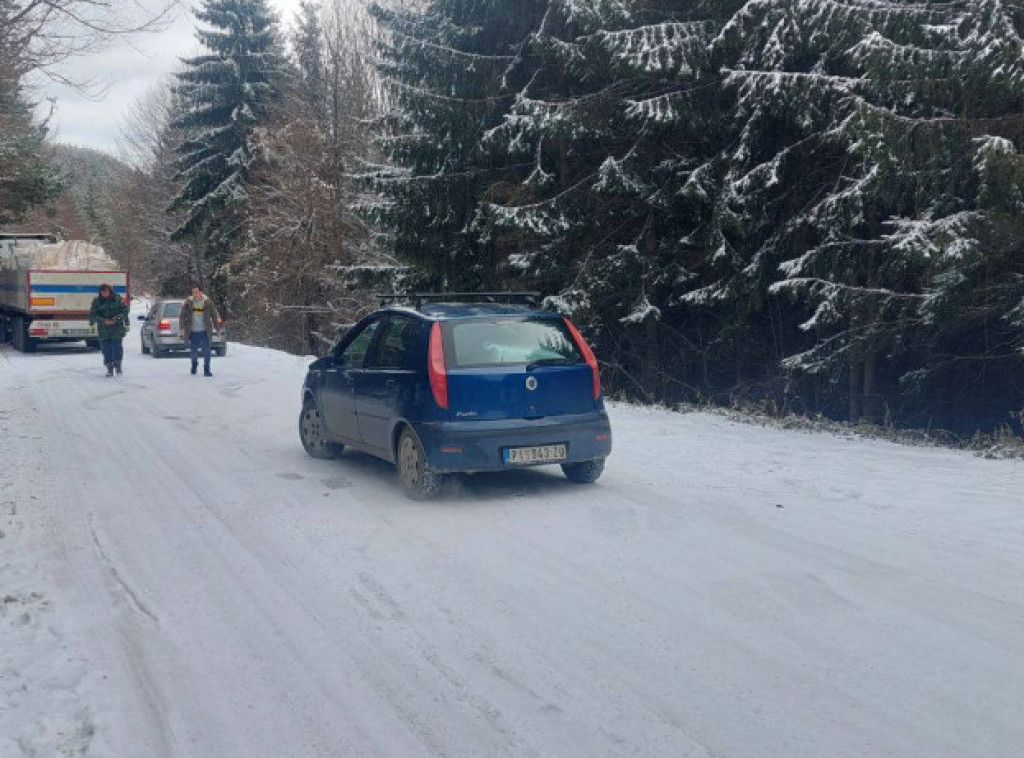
76,255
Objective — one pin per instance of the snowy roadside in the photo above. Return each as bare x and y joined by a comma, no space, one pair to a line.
47,688
726,589
1003,445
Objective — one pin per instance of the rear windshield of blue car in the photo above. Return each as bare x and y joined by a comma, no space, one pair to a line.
511,342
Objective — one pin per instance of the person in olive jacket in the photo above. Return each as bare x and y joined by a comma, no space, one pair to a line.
198,322
110,314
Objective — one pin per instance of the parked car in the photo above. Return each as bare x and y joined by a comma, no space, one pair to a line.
159,333
443,384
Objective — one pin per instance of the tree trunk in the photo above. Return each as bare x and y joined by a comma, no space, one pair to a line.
870,405
856,376
651,363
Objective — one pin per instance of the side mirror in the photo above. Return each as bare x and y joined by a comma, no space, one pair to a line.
142,317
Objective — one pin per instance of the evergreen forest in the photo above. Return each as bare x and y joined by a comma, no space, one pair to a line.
798,206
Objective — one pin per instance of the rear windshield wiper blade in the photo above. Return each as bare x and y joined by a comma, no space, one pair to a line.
549,362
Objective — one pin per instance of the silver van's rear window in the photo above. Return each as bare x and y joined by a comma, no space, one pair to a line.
505,342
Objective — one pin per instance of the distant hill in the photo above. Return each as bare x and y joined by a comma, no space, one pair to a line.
84,209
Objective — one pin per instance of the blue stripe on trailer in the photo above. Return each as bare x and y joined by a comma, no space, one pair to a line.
36,288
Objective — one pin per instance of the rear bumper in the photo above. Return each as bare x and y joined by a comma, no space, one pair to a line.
173,342
469,446
60,329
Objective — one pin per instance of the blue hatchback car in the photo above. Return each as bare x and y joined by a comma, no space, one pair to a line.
448,383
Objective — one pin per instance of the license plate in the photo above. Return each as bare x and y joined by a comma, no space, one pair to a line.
534,454
77,332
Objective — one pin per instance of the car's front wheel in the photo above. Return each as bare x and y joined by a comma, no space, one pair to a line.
585,472
314,435
419,481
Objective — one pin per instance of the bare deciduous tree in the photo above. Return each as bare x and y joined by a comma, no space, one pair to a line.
308,252
36,35
148,143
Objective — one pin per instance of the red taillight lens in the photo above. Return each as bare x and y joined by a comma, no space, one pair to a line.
436,367
588,356
165,325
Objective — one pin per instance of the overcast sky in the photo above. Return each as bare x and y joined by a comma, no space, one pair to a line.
129,71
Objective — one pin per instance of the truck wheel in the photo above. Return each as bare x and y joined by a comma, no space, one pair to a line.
30,343
20,338
22,341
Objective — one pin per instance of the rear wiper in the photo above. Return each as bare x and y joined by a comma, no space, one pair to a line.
548,362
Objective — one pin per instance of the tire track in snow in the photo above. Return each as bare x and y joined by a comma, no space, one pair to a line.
130,593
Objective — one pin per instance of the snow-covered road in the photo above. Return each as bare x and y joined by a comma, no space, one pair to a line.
178,578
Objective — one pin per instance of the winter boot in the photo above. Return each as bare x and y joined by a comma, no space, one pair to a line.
110,369
206,371
194,367
117,367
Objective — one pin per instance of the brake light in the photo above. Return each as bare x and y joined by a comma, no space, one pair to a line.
588,356
37,332
436,368
165,325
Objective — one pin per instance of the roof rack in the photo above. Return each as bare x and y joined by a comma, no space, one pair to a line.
419,298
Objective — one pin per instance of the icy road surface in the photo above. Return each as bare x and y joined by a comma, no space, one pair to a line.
178,578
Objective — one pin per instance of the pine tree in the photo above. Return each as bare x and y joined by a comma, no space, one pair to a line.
450,70
620,132
26,178
873,136
308,43
815,203
225,95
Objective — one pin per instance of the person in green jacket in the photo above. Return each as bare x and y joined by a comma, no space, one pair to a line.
110,314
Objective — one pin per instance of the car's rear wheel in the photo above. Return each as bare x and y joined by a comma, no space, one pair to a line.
585,472
314,435
221,351
145,350
419,481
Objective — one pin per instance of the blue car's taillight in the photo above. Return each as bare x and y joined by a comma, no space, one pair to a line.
436,367
588,356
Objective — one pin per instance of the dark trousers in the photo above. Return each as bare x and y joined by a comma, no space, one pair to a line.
113,351
200,341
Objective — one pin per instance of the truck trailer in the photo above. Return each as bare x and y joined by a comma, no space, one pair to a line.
47,287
